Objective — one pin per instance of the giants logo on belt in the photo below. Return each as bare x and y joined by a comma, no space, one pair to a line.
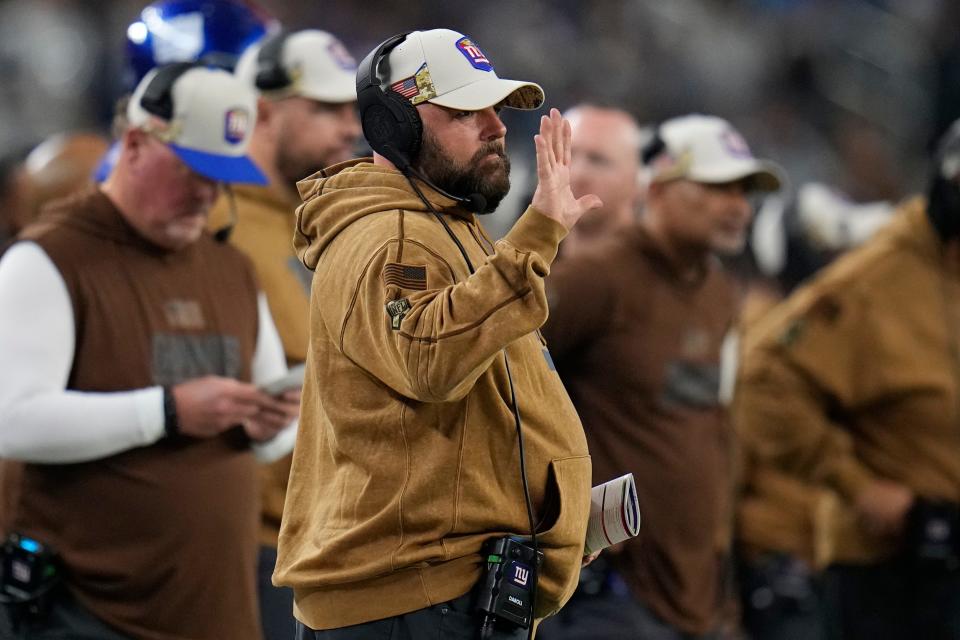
472,53
520,574
235,125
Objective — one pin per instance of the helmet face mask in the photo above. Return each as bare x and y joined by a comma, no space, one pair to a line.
215,32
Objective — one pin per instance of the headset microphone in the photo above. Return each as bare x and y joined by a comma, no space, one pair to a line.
474,202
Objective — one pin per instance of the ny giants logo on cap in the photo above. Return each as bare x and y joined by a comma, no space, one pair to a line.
341,56
734,143
235,124
472,53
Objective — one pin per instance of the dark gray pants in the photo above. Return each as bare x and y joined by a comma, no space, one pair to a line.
454,620
893,600
67,620
276,603
613,614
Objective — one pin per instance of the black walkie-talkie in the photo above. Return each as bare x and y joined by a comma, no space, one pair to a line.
510,582
30,572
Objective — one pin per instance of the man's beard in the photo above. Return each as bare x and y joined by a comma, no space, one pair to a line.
464,180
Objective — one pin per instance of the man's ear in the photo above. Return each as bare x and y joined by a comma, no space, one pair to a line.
132,143
266,112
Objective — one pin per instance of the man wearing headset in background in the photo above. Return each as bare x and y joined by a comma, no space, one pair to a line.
129,338
639,351
214,32
306,120
408,458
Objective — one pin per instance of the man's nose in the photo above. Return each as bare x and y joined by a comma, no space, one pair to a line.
493,127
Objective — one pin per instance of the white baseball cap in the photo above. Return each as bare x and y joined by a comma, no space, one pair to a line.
210,120
316,66
448,69
708,149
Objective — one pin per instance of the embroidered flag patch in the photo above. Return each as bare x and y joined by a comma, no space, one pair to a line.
418,87
405,276
407,88
472,53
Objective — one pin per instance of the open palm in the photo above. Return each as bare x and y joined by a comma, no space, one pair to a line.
553,196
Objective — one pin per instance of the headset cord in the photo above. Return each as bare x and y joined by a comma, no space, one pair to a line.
526,491
439,217
513,401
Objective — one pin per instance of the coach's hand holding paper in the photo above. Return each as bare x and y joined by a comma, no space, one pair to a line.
614,514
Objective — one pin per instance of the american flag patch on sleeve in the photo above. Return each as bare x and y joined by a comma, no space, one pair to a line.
405,276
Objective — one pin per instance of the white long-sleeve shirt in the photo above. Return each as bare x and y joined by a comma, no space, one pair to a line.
43,422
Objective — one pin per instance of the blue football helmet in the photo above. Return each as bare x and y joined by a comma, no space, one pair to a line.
213,31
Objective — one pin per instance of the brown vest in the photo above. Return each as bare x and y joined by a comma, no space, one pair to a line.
158,541
639,352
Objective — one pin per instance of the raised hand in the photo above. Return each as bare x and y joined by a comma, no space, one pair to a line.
553,196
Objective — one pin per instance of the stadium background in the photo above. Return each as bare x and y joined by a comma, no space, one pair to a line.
847,92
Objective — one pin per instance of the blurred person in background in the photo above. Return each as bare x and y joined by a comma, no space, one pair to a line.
12,199
130,343
786,527
306,120
850,385
59,166
639,349
606,162
215,32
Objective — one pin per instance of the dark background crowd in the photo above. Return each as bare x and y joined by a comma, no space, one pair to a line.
848,92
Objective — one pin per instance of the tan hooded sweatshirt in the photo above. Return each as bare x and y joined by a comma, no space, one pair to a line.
407,456
856,377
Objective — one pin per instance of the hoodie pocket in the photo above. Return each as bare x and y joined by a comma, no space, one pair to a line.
565,526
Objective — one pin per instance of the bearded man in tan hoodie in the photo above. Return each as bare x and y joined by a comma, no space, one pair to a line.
408,459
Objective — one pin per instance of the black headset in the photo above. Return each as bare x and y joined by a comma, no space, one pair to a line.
157,97
271,74
654,147
390,123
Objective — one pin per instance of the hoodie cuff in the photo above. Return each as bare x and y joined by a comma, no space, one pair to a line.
534,232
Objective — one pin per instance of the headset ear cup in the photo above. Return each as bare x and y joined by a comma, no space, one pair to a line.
393,127
379,126
157,98
271,74
411,126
